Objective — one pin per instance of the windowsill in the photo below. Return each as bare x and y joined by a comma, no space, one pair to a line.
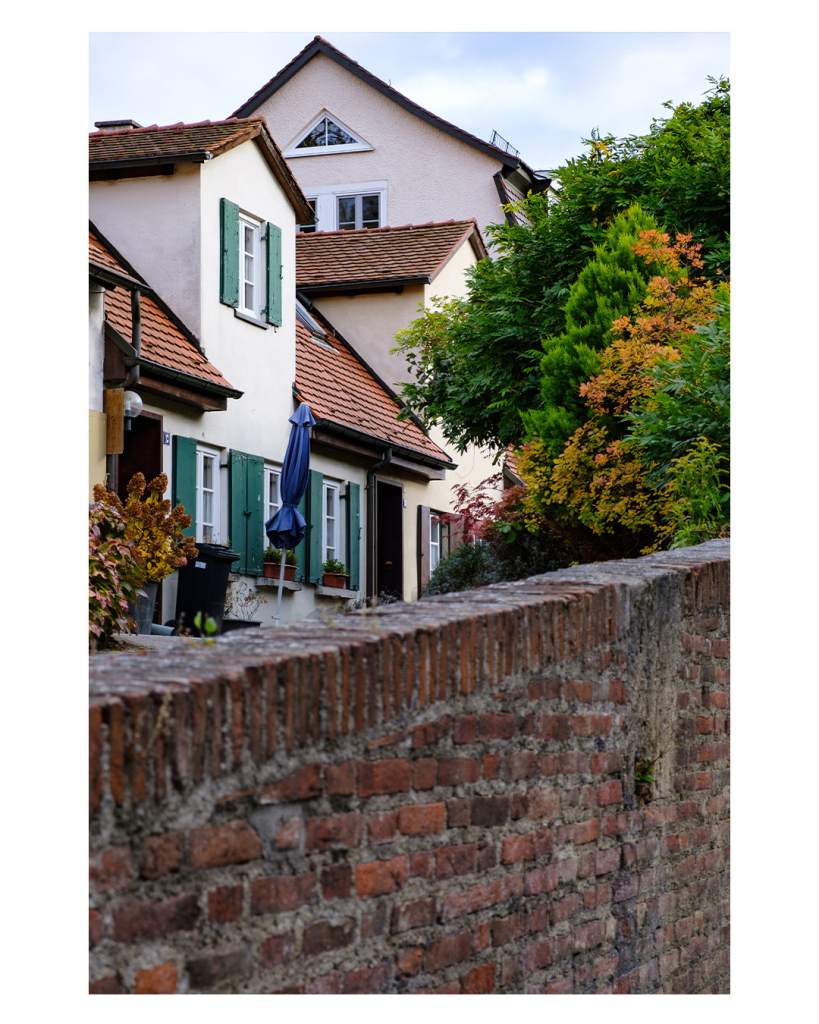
250,320
266,581
340,592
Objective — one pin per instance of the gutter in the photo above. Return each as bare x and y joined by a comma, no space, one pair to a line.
196,157
370,488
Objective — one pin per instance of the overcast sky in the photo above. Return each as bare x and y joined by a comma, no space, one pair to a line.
542,91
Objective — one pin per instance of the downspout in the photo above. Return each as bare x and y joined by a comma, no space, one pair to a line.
372,597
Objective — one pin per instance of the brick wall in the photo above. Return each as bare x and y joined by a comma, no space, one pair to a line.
433,797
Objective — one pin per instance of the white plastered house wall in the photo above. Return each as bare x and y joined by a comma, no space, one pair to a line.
168,228
96,417
430,175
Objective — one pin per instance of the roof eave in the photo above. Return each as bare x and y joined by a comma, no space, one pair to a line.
381,284
411,454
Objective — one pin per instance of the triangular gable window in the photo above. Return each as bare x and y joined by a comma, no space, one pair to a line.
326,135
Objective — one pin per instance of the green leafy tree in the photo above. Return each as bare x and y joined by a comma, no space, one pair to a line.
477,360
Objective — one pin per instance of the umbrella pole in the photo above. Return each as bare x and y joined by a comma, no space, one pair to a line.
281,587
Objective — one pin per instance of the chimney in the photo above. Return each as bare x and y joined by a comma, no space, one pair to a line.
116,126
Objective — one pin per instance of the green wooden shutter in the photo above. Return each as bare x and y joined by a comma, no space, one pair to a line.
315,495
353,533
424,549
274,275
229,276
184,478
246,478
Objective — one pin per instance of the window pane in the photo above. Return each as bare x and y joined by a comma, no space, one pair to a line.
207,472
248,239
316,136
336,136
369,211
273,489
346,212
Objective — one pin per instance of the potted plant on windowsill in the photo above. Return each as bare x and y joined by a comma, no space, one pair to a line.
334,573
272,560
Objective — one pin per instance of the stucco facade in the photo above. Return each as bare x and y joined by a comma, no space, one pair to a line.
430,175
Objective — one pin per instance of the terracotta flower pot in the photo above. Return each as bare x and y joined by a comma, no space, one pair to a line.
335,579
272,571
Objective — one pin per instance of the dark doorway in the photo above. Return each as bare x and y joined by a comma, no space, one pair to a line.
143,451
389,540
142,454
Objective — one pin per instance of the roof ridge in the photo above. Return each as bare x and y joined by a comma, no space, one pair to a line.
258,118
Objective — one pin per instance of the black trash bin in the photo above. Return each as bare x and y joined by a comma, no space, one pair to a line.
202,586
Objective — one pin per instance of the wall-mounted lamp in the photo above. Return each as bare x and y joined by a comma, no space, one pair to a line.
132,407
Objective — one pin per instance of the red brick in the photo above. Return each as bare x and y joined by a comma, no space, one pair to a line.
625,888
424,773
156,981
456,771
377,777
572,762
418,914
719,700
523,764
422,865
381,827
457,812
304,784
224,904
586,831
565,908
498,726
479,981
705,724
540,880
95,927
339,780
485,894
380,877
206,972
95,744
517,847
489,811
491,766
408,961
216,846
367,980
507,929
543,803
110,868
421,819
162,854
552,727
617,691
610,792
326,985
332,832
324,936
455,860
607,860
281,893
450,949
147,920
588,935
560,986
481,937
336,880
539,955
721,648
107,986
465,729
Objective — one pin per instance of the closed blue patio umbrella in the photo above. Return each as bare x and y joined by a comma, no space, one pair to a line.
287,527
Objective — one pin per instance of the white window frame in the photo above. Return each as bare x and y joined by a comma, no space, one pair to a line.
359,146
257,276
308,228
358,219
434,540
325,199
331,489
271,508
212,456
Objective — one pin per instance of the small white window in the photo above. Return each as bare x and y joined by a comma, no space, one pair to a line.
208,498
434,541
358,212
326,134
250,266
331,522
272,498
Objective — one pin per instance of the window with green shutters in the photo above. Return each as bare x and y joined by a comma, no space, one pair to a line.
246,480
310,551
250,279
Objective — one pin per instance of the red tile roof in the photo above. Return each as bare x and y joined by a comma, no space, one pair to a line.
177,141
405,253
163,341
340,389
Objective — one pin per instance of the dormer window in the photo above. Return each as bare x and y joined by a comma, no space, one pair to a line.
326,135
